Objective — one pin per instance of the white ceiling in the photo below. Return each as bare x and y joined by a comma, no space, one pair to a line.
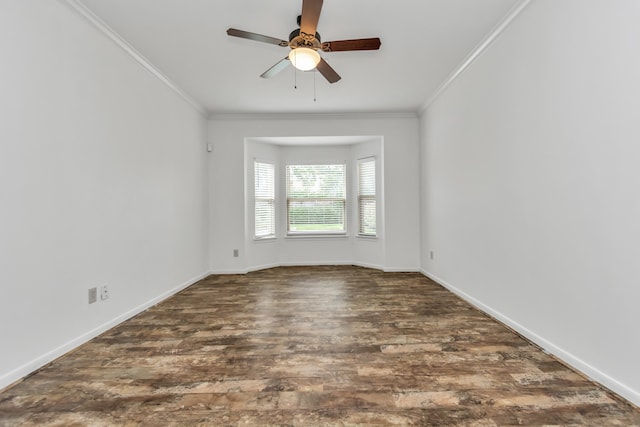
423,42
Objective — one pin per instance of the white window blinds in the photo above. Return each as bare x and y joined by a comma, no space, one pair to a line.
316,199
264,200
367,197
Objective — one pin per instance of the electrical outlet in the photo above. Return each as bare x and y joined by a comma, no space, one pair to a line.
235,253
104,292
93,295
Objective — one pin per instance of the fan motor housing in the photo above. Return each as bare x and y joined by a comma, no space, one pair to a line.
300,39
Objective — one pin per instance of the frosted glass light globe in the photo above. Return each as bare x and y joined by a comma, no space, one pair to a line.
303,58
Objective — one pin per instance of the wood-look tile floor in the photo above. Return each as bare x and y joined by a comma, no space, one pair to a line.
311,346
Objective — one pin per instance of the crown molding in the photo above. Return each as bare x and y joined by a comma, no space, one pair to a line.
101,26
314,116
482,47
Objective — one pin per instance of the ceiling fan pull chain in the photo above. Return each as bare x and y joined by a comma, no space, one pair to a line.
295,72
314,84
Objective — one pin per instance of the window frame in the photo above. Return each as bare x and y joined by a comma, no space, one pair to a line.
363,197
345,213
256,199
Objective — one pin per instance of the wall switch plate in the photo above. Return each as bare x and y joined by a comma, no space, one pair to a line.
93,295
431,254
104,292
236,253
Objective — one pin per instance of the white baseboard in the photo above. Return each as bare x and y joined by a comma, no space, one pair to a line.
262,267
223,272
401,270
17,374
567,357
305,264
311,264
367,265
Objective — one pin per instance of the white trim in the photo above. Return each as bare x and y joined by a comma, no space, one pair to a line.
367,265
225,272
279,264
269,238
262,267
315,234
476,52
313,116
400,270
368,158
272,236
324,263
313,264
22,371
367,237
358,181
329,263
102,26
567,357
300,235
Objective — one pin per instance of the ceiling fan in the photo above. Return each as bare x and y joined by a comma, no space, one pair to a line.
305,43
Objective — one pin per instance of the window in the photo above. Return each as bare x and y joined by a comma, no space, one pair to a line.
367,197
265,223
316,199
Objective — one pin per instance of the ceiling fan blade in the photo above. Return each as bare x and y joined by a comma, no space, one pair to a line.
356,44
279,66
328,72
310,16
256,37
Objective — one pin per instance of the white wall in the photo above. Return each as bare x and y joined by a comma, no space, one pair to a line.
400,245
530,184
103,179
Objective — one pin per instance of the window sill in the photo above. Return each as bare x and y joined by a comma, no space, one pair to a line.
365,237
316,235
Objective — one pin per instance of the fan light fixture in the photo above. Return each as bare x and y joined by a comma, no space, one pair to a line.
305,44
304,59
